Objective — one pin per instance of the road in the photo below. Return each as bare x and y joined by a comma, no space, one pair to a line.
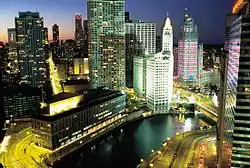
21,152
205,155
178,153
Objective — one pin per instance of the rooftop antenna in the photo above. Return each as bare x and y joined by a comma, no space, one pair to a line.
167,14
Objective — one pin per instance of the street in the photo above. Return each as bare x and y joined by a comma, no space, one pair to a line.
181,151
20,151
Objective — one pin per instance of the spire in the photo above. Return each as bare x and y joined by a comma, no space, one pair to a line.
186,12
167,25
167,14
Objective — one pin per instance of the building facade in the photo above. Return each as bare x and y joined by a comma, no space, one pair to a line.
140,37
94,112
46,35
139,74
224,157
29,37
160,74
199,63
79,35
21,102
107,43
188,51
235,124
86,42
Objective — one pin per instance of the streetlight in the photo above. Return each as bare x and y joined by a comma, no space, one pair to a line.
152,150
151,165
159,152
141,160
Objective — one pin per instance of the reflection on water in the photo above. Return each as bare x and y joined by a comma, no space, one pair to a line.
125,148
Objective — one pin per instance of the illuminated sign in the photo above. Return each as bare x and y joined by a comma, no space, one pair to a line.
238,5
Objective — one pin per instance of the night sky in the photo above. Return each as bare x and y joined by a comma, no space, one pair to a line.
209,14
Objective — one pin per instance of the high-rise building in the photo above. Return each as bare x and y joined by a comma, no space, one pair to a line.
187,51
21,101
160,74
46,35
86,42
139,74
55,37
29,37
107,43
234,120
11,35
11,73
199,63
158,44
127,17
55,34
140,37
221,146
175,62
79,34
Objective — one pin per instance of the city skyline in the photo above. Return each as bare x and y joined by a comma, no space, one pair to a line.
63,13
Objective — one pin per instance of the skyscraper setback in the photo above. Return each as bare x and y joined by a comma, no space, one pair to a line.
188,63
29,37
107,43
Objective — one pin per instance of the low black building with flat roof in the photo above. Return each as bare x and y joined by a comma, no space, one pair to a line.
77,117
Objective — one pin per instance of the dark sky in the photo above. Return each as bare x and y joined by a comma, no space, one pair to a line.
209,14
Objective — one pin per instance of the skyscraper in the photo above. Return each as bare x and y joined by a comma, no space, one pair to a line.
199,63
55,45
86,42
11,76
139,74
79,34
29,37
160,74
187,51
140,37
55,34
234,120
127,18
11,35
46,36
107,43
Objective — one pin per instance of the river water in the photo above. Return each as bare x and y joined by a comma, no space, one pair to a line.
126,146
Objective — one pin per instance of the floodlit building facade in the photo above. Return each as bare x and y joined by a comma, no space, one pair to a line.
159,74
75,119
234,131
188,63
140,37
139,74
107,43
29,38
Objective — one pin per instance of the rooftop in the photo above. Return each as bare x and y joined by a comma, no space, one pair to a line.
76,82
90,98
61,96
